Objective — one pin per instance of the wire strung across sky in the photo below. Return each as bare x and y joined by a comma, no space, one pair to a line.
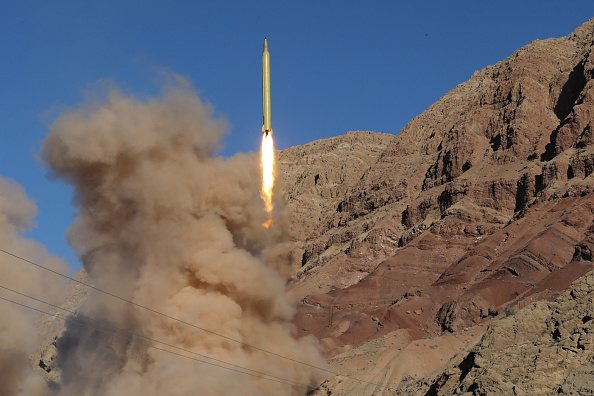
131,339
102,322
183,322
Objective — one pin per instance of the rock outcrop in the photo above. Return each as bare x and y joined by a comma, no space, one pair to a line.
545,348
51,326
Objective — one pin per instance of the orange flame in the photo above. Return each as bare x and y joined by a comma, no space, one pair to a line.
267,155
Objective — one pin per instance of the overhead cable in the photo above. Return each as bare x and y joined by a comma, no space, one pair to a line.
190,324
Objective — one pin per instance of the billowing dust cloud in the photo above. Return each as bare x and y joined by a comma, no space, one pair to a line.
164,223
18,337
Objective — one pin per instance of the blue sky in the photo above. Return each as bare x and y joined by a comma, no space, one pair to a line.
335,66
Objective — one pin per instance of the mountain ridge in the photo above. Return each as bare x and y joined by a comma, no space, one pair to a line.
453,224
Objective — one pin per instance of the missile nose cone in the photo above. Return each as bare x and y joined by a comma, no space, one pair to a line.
266,128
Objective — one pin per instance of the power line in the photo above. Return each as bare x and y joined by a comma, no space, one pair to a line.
265,376
149,338
190,324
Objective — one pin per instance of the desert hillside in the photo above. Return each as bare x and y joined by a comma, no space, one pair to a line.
480,205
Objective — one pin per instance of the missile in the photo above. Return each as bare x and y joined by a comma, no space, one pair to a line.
266,126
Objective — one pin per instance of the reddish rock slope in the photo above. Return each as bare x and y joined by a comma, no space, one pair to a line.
480,203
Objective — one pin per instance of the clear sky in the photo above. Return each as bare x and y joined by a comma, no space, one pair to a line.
335,66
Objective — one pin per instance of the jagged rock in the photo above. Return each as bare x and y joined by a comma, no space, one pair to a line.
545,348
485,203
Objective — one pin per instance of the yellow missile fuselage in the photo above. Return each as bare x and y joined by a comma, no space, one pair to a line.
266,126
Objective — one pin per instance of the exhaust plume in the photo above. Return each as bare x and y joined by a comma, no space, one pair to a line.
18,337
267,161
164,223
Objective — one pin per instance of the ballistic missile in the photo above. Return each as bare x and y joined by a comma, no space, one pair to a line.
266,126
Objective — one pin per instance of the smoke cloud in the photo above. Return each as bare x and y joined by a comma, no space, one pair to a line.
165,223
18,336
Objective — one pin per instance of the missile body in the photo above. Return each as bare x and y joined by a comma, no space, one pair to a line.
266,126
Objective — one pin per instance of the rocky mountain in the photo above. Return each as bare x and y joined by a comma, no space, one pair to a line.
480,205
408,249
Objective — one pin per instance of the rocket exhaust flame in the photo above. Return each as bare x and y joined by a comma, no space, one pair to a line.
267,155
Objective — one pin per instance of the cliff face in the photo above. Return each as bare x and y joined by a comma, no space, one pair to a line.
315,178
477,204
514,131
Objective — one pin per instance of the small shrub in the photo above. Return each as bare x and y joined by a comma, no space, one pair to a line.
509,311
